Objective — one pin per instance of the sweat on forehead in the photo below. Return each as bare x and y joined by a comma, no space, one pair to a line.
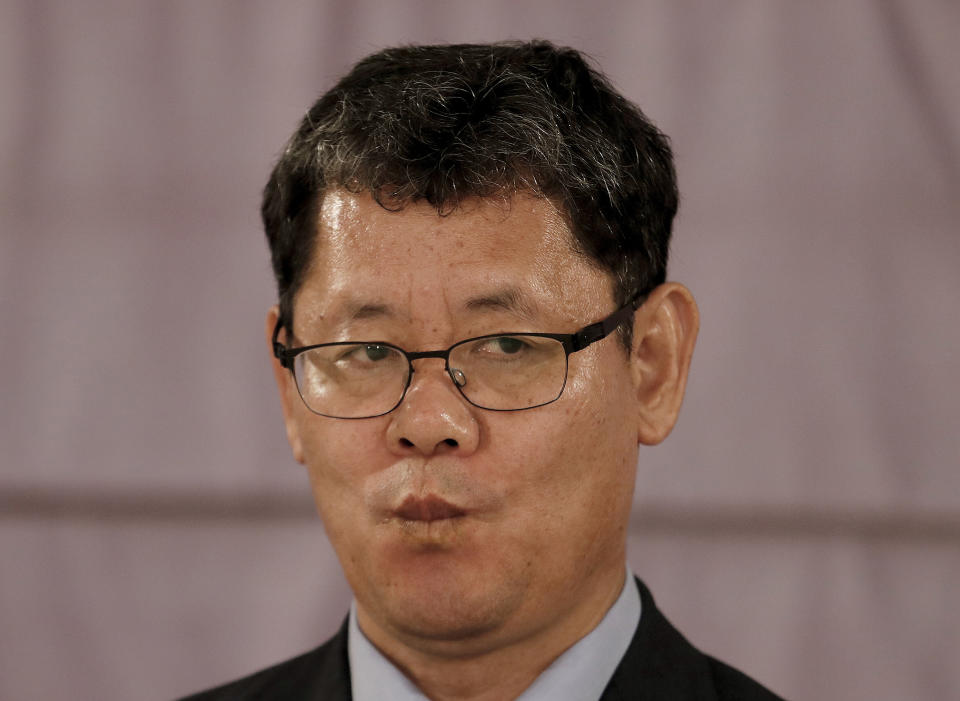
338,207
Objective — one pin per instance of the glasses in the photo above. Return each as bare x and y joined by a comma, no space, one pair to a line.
499,372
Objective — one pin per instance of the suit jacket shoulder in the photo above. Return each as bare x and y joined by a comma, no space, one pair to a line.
323,674
661,664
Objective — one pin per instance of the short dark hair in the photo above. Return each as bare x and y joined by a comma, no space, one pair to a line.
445,123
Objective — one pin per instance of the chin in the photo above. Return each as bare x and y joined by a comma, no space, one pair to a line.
445,598
450,615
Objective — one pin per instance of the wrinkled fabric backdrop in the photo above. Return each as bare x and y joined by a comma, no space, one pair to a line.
802,522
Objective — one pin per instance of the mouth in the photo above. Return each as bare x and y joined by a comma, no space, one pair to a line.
427,509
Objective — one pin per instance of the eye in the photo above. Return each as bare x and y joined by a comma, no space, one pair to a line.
363,355
508,352
508,344
499,346
374,352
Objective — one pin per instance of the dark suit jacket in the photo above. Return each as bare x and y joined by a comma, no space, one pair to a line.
659,665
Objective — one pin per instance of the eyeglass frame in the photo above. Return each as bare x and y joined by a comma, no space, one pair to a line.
572,343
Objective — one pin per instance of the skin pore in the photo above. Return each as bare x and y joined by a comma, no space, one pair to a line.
475,605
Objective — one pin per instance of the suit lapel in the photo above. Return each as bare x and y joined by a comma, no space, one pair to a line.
660,663
331,681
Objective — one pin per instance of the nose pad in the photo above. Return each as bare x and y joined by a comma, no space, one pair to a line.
459,379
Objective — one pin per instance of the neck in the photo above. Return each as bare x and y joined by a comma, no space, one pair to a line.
494,666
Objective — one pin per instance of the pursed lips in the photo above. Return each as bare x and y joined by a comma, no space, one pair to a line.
427,509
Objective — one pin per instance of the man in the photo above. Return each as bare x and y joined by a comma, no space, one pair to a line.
473,337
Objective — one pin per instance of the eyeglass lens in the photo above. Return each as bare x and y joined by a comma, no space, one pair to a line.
499,372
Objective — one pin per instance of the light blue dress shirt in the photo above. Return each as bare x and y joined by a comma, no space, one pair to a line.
581,673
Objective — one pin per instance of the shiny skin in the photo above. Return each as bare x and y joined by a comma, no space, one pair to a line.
535,549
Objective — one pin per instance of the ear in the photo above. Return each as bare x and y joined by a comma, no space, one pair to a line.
664,333
289,396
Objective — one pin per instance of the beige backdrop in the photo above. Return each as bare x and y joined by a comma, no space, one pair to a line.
803,521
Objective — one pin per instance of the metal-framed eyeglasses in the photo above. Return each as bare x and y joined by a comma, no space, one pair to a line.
498,372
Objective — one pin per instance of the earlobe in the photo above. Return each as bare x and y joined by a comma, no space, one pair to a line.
664,334
289,396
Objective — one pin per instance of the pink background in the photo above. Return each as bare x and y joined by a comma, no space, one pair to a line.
803,521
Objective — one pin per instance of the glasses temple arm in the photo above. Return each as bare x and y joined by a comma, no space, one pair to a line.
594,332
280,350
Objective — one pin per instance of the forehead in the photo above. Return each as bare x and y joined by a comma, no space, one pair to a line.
367,255
354,225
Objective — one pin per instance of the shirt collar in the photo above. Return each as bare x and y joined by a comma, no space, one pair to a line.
581,673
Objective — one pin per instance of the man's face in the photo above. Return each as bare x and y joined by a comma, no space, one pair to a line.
541,496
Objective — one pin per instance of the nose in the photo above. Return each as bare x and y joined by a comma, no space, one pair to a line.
434,417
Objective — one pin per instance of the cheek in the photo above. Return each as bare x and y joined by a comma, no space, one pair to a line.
569,458
339,457
593,449
569,500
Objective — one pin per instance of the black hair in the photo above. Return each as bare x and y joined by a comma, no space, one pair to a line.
446,123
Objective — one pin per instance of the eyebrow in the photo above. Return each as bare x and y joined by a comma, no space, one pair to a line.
509,300
356,311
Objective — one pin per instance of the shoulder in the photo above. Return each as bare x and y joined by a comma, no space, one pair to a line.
661,664
733,685
322,674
